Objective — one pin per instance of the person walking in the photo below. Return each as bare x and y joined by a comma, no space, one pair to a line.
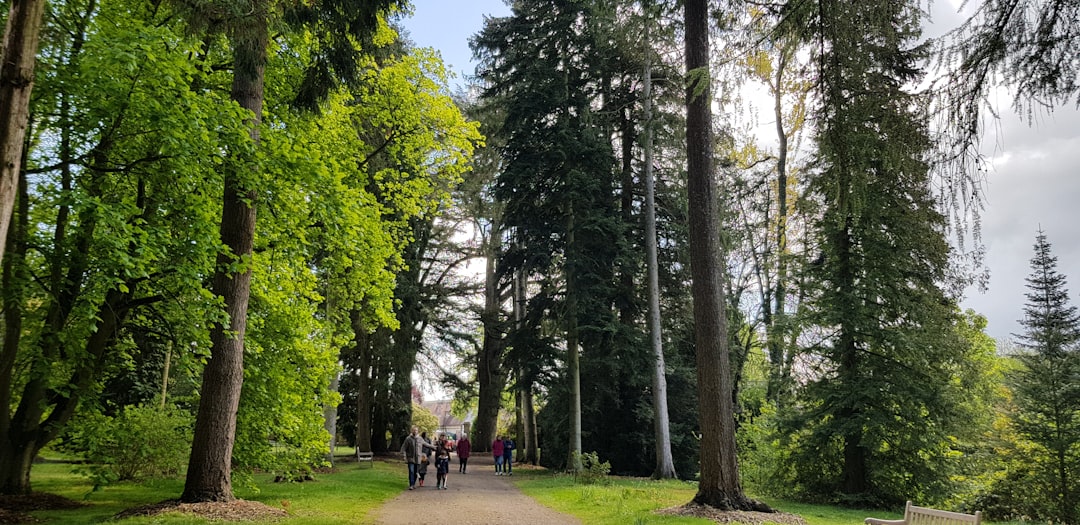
464,448
497,451
412,449
442,461
508,456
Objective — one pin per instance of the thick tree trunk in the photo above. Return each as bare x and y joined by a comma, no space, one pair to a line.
17,58
719,486
490,373
15,453
209,474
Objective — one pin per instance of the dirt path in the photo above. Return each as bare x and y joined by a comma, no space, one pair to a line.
477,498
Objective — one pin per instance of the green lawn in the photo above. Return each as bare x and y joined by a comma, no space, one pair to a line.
635,500
343,497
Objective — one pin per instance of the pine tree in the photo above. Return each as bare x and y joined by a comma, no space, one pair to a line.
1047,389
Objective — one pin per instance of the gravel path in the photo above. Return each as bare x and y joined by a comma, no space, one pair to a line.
477,498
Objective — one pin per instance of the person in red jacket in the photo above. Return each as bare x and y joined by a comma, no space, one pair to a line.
464,448
497,451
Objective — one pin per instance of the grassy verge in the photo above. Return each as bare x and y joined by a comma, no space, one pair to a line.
345,496
623,501
636,500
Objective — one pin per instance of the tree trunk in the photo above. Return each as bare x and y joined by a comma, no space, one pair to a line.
665,464
17,58
362,347
209,475
330,419
776,324
528,409
573,364
528,446
719,486
15,455
490,374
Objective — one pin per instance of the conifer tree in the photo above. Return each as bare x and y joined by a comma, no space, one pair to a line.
875,420
1047,388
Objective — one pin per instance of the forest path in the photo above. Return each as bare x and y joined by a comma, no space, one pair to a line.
476,498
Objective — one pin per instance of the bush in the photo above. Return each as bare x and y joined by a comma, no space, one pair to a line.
592,470
141,442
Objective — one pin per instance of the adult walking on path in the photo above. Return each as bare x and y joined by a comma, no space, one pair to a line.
497,452
464,449
470,500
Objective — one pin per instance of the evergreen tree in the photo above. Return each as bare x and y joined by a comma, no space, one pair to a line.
874,423
1047,388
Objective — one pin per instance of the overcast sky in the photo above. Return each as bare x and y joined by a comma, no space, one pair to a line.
1033,184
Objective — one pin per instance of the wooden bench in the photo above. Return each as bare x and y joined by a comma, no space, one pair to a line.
365,458
925,516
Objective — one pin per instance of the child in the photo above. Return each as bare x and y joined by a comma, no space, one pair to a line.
422,471
442,461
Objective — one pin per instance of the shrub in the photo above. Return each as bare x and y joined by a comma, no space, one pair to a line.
141,442
592,470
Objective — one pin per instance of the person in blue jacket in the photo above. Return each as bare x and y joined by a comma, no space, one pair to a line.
508,456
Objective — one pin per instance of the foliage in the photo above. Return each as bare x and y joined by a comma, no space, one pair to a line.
1046,389
139,443
424,420
877,420
592,470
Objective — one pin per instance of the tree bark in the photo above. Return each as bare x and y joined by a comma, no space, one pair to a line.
665,463
573,364
719,486
362,347
17,59
209,474
489,369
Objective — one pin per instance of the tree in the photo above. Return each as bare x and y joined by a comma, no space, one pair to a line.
665,467
720,486
18,55
129,174
209,470
558,176
1047,388
874,421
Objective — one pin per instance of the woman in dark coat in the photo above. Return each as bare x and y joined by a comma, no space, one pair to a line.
464,448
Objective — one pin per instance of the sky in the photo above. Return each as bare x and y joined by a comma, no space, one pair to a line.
1033,185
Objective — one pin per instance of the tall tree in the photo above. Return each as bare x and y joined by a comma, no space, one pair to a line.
720,486
128,177
1047,388
665,467
880,407
210,467
18,55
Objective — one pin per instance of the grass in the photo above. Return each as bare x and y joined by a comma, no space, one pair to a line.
623,501
635,500
346,496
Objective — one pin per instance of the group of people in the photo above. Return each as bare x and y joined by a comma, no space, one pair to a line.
415,451
503,450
